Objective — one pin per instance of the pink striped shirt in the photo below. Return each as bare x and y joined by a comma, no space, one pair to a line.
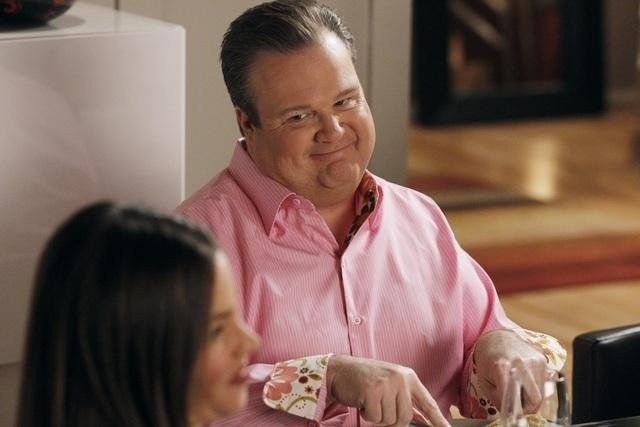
403,291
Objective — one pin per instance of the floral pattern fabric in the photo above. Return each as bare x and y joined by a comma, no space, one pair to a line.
295,385
481,407
367,208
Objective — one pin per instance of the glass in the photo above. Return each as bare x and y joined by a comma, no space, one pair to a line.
554,409
511,412
555,403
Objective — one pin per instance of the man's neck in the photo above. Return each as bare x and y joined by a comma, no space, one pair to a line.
339,218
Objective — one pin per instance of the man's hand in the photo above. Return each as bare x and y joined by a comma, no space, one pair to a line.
385,393
495,354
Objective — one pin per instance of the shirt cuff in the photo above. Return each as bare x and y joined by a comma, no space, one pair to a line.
476,405
298,387
550,347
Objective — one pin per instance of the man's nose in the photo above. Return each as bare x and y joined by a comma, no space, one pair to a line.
331,128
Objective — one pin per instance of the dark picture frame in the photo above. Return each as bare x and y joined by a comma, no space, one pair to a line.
579,91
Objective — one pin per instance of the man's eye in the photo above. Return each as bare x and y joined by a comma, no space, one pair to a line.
298,117
346,102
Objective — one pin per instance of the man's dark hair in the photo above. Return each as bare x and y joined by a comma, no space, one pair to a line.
279,26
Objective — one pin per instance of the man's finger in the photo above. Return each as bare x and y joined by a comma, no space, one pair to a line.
389,406
419,416
425,404
501,378
372,410
404,407
532,393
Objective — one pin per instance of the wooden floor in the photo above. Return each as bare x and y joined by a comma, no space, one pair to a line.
582,176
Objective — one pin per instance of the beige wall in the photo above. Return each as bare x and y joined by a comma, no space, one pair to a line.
106,3
9,384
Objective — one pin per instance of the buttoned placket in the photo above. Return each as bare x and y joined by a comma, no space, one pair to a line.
355,319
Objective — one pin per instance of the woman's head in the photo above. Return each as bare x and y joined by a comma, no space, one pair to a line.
119,319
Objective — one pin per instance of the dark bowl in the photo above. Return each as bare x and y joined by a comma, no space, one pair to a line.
32,11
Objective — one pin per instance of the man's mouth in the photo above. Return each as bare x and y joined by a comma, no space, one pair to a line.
328,153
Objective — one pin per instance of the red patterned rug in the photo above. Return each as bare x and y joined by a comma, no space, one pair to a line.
550,263
575,261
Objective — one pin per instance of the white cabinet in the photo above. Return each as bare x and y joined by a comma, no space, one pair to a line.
92,106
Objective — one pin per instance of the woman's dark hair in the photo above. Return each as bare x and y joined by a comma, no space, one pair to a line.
119,310
279,26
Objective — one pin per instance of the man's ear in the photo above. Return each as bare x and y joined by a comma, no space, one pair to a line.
244,124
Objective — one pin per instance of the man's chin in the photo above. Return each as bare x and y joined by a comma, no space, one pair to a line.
341,176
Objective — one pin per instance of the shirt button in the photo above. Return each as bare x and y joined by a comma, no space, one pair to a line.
357,320
297,202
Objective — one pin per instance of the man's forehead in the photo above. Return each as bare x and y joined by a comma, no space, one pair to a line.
276,77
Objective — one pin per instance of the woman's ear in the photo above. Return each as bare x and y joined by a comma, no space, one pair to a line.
244,123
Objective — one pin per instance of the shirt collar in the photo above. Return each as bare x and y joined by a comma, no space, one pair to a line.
268,194
367,185
263,191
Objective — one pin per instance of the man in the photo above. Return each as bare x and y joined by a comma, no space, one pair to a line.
369,311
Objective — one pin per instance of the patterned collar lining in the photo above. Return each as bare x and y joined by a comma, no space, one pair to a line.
368,187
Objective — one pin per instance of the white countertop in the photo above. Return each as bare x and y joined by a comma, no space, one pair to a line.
85,19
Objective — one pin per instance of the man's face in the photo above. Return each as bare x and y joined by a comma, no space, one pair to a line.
316,133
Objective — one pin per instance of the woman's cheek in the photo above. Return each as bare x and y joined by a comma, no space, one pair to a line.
216,365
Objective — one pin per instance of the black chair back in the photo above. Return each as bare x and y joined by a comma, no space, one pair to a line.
606,374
